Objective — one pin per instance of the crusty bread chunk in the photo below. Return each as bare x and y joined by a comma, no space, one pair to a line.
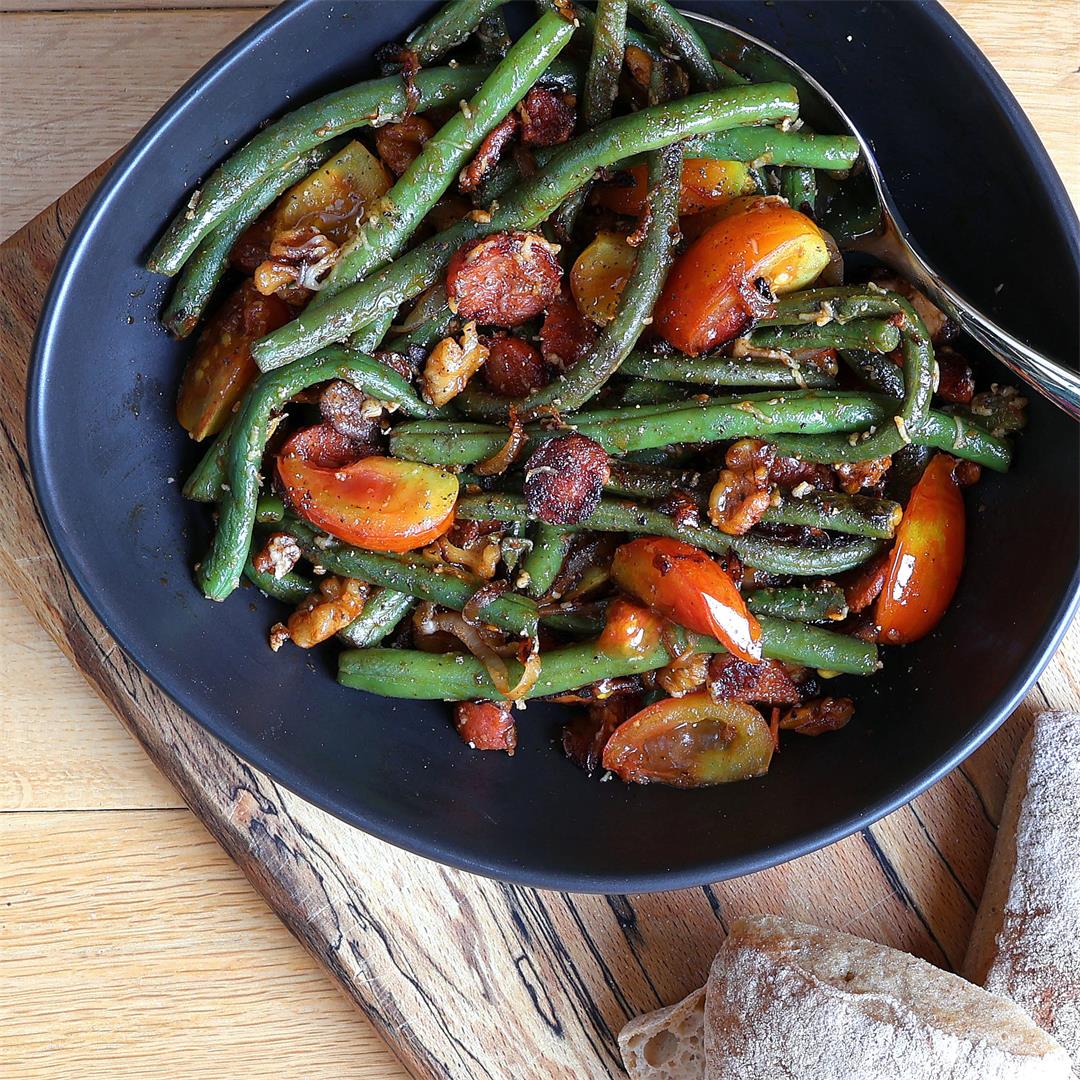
1025,943
787,1000
668,1044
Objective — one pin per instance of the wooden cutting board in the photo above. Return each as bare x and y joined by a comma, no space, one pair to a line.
465,977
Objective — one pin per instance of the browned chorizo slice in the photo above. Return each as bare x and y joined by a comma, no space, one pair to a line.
566,336
488,153
503,279
547,118
514,367
400,144
564,478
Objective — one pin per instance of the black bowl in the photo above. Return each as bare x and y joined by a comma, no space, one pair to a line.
977,189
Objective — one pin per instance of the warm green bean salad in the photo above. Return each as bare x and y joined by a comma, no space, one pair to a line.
529,370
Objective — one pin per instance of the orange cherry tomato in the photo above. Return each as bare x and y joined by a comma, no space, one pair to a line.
706,183
377,503
629,630
927,557
221,367
709,294
681,583
690,741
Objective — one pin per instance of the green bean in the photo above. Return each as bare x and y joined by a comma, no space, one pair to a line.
911,418
719,370
544,561
841,303
874,334
645,391
654,257
525,207
799,187
383,610
953,434
269,509
636,481
493,37
677,35
220,571
414,575
451,24
755,415
861,515
370,337
876,369
424,182
291,588
613,515
605,62
820,602
411,674
376,101
207,266
204,483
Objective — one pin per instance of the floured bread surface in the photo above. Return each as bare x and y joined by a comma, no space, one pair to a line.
791,1001
668,1044
1026,940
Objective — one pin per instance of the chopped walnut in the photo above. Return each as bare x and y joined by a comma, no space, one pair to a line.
818,716
279,634
481,556
278,556
684,677
451,364
322,614
743,491
857,475
298,257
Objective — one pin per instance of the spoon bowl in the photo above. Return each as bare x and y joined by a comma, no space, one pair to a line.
868,220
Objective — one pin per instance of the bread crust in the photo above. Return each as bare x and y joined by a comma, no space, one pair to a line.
787,1001
1025,944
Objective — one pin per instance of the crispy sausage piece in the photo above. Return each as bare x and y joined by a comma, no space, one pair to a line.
862,474
345,408
564,477
956,382
818,716
766,682
488,153
400,144
486,725
547,118
585,737
503,279
863,585
514,368
566,336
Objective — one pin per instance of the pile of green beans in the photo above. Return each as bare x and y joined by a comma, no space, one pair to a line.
664,419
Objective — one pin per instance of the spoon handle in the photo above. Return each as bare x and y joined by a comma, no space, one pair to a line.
1050,378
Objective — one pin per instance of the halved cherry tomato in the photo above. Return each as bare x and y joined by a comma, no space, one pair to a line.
221,368
377,503
629,630
706,182
681,583
335,196
689,742
927,557
599,275
710,294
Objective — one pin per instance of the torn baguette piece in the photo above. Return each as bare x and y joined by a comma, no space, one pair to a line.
1025,944
668,1044
789,1000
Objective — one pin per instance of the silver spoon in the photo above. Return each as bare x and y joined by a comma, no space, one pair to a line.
886,237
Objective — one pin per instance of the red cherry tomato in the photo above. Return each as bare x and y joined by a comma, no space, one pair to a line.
927,557
709,294
629,630
681,583
377,503
691,741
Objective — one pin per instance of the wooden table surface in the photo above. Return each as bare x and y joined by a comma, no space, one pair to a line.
150,955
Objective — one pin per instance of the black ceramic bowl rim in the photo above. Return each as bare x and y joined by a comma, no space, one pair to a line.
384,828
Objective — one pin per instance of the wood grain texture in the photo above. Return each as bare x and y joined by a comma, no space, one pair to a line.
553,976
